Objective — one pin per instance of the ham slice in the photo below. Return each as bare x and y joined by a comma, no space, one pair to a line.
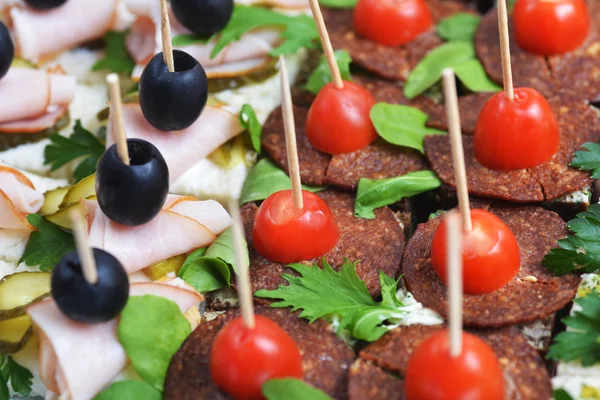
182,149
18,198
76,360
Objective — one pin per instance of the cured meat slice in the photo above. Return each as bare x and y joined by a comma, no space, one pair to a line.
366,381
470,106
520,300
375,244
325,357
18,198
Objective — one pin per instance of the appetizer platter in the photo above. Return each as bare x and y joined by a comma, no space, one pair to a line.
299,199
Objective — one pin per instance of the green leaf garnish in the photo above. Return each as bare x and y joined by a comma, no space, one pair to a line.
81,143
588,159
339,3
20,378
249,121
461,26
116,57
561,394
321,75
373,194
292,389
473,76
47,245
129,390
187,40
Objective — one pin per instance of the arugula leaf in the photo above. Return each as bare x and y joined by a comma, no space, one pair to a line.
402,125
321,75
116,57
265,179
580,252
129,390
588,159
372,194
325,293
151,330
298,31
81,143
188,39
20,378
339,3
461,26
291,389
47,245
473,76
249,121
561,394
582,342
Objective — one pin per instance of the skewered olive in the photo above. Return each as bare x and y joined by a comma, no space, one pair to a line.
203,17
45,4
7,50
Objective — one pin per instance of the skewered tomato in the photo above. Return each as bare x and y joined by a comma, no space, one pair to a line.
391,22
243,359
433,374
339,119
287,234
518,133
551,27
491,254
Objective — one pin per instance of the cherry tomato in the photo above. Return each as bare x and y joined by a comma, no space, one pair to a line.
339,120
433,374
243,359
391,22
286,234
491,254
551,27
518,133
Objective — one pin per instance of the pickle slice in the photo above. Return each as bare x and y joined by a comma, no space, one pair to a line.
81,190
52,200
62,217
17,291
14,334
161,269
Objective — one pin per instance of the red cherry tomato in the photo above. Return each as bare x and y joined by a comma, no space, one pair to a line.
243,359
551,27
433,374
491,254
391,22
286,234
516,134
339,120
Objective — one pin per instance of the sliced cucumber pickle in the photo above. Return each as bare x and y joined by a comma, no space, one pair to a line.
161,269
17,291
14,334
62,217
52,200
81,190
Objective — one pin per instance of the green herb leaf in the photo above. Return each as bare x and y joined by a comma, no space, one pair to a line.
325,293
588,159
265,179
473,76
249,121
298,31
373,194
402,125
188,39
291,389
461,26
561,394
582,342
116,57
3,388
321,75
151,330
129,390
81,143
20,378
47,245
339,3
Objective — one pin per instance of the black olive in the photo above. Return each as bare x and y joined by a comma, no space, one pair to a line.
132,194
203,17
7,50
45,4
172,101
90,303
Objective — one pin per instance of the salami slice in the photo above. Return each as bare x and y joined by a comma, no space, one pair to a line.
470,106
367,381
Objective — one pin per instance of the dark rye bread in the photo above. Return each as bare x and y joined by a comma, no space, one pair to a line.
469,106
520,300
526,377
325,357
376,244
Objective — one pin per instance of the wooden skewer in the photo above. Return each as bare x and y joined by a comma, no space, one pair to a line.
326,42
290,134
245,290
116,109
165,28
458,157
455,284
505,49
86,254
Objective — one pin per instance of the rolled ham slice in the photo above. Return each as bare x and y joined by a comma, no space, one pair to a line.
182,149
18,198
77,360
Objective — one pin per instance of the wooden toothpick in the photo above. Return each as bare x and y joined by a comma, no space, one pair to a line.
244,288
290,134
86,253
505,49
458,157
455,284
165,28
326,42
116,109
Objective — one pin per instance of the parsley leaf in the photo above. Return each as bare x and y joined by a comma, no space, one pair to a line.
298,31
580,252
321,75
116,57
325,293
47,245
588,159
291,389
561,394
81,143
461,26
249,121
20,378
